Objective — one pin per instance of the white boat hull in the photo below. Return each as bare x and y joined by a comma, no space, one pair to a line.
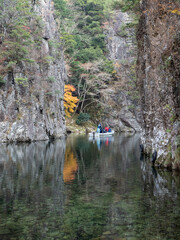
95,134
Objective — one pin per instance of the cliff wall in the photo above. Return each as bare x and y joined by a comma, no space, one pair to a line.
31,105
158,72
122,94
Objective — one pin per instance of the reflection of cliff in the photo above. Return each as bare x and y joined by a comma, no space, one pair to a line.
26,167
140,194
117,161
31,190
135,196
70,166
105,163
157,183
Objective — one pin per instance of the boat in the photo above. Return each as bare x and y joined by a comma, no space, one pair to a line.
106,134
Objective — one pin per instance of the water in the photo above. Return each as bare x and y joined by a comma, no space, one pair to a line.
86,189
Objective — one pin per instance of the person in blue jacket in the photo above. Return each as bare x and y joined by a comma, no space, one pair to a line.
99,128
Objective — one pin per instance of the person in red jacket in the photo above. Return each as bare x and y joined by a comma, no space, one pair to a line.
106,129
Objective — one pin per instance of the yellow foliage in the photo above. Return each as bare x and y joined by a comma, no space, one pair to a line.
175,11
70,166
69,87
70,101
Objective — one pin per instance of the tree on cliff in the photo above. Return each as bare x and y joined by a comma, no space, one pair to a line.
16,35
69,100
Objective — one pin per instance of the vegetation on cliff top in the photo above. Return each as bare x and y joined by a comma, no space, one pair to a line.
17,35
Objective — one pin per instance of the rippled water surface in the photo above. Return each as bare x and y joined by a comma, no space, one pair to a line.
86,189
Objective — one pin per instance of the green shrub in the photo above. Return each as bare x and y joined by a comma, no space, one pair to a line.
82,118
94,24
22,81
89,54
89,19
2,81
118,4
99,41
76,72
62,9
92,31
107,66
126,5
82,42
81,24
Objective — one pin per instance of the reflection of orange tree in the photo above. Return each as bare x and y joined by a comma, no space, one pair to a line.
70,166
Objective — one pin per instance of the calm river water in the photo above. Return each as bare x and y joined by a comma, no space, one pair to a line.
80,189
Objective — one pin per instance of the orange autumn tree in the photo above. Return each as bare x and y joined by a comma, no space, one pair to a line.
70,101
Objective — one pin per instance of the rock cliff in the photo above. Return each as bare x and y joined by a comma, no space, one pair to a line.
158,71
122,95
31,105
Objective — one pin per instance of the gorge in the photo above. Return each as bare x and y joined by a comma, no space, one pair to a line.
125,67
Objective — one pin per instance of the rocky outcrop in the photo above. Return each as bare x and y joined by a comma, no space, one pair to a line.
158,74
32,109
122,97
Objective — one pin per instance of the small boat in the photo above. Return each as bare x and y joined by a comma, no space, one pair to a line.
106,134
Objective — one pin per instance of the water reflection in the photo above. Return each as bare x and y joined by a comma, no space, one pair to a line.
136,200
86,189
25,165
70,166
102,141
31,189
160,182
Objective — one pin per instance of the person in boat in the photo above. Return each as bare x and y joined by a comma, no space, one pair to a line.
106,129
99,129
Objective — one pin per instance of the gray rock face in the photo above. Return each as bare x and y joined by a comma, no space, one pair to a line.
158,80
122,96
35,110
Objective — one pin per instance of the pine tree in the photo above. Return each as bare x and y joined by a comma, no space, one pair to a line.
16,35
